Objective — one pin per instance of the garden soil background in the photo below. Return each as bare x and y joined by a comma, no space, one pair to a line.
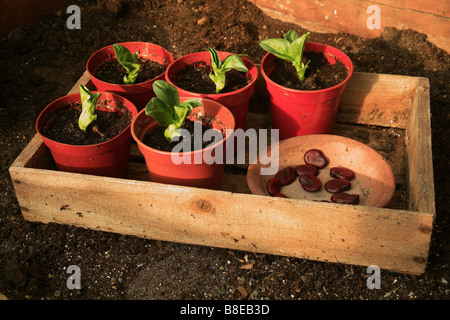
41,62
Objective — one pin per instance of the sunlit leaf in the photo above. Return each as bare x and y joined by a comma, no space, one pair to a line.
88,104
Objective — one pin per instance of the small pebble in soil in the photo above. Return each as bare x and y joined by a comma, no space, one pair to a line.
316,158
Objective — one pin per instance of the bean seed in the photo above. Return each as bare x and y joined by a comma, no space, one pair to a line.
310,182
346,198
341,173
337,185
280,195
273,186
316,158
286,175
306,169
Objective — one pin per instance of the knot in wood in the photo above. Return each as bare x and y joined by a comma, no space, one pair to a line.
204,205
419,259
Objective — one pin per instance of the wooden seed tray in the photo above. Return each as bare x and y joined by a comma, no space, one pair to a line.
389,113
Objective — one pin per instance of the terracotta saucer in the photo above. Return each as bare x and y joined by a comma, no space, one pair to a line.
373,181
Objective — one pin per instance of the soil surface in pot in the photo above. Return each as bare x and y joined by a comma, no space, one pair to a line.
64,127
111,71
195,78
156,139
319,75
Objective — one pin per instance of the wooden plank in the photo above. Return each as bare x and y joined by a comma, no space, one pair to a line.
391,239
420,159
439,7
351,16
377,99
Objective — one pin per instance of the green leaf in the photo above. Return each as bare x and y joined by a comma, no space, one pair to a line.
289,48
215,59
191,103
291,36
234,62
220,68
301,71
171,132
297,47
167,110
219,81
180,114
166,92
278,47
88,104
128,60
160,111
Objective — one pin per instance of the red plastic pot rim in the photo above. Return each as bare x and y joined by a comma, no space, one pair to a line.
115,86
308,45
167,153
75,97
253,71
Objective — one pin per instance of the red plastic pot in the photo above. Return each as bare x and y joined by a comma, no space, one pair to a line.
139,93
201,174
110,158
299,112
236,101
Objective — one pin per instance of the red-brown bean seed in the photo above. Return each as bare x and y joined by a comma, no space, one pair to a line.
345,198
341,173
306,169
273,186
316,158
310,182
280,195
337,185
286,175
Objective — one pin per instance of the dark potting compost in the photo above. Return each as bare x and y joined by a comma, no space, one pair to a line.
111,71
319,75
63,124
195,78
156,139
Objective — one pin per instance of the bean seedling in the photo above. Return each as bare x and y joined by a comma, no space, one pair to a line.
167,110
289,48
220,68
127,60
88,103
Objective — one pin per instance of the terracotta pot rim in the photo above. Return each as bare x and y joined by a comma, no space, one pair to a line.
73,98
115,85
168,153
253,69
349,68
